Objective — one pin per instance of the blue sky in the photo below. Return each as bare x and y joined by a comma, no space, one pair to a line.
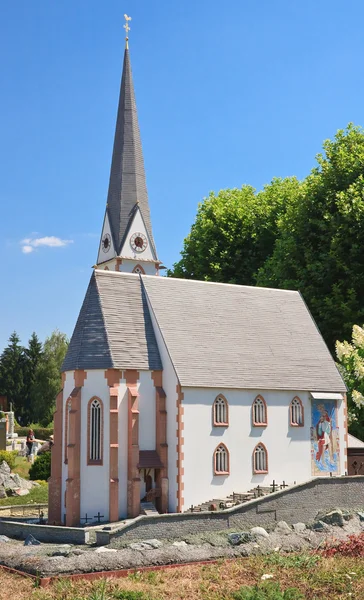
227,94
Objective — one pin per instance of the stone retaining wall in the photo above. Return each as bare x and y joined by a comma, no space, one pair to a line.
45,533
298,503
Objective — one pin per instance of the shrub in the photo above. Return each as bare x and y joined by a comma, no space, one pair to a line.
41,468
9,457
352,546
40,433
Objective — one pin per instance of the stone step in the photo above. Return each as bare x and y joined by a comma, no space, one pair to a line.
148,508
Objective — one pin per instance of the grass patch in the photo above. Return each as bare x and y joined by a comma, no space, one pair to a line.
22,467
37,495
296,577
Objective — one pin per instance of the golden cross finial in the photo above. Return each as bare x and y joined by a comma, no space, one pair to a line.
127,29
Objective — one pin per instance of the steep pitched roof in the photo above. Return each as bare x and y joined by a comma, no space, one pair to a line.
114,328
231,336
127,185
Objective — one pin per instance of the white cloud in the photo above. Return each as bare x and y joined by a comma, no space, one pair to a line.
30,244
27,249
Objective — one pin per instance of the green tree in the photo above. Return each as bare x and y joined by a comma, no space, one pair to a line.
41,468
235,232
319,248
351,365
12,362
33,358
48,378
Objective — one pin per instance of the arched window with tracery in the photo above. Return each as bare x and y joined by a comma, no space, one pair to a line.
296,412
260,459
95,422
67,428
220,412
259,412
139,270
221,460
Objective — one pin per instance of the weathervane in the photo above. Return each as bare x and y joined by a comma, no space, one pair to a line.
127,29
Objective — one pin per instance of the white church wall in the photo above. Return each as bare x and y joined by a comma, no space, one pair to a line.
137,226
289,448
169,385
128,265
95,478
147,415
103,256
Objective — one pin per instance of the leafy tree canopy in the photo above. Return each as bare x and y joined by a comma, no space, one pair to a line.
293,235
351,365
234,232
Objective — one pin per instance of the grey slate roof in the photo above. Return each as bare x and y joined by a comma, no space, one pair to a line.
230,336
217,335
114,328
127,184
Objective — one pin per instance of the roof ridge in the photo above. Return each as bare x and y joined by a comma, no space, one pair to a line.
235,285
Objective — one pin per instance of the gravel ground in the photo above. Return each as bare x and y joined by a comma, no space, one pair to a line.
49,559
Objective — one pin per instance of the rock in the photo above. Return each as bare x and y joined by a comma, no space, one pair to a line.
139,546
259,531
4,467
103,549
4,538
335,517
283,528
299,527
20,482
2,492
31,541
146,545
244,537
153,543
60,553
21,492
79,552
61,550
320,526
266,576
361,516
34,483
180,544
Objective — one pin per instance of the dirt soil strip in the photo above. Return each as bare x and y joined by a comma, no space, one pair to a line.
45,581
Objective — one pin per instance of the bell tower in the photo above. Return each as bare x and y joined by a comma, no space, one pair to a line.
127,242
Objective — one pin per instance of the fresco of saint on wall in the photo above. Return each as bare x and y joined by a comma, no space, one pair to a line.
325,455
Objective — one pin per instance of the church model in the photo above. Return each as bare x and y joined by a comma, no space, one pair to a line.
179,391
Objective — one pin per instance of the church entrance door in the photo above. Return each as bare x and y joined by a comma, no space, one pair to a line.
148,483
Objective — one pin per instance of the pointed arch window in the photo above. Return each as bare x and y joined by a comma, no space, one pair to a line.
139,270
95,424
220,412
296,412
259,412
221,460
260,459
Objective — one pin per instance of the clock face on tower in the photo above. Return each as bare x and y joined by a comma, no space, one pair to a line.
106,242
138,242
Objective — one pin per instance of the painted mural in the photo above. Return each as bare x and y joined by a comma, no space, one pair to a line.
325,455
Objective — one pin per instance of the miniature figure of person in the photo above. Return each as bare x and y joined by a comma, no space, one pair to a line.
30,444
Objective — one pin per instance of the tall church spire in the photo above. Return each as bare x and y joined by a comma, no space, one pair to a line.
127,195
